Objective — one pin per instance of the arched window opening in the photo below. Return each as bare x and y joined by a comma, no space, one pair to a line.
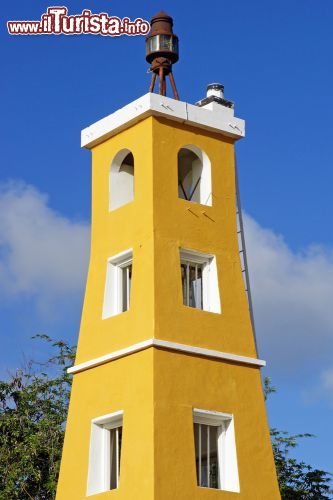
121,179
194,175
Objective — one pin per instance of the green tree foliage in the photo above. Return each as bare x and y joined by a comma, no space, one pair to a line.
297,480
33,411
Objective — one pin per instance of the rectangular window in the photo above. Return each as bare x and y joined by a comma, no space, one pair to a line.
206,437
199,281
117,294
105,453
126,279
113,463
215,450
192,284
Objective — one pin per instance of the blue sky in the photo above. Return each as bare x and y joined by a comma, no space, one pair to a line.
274,59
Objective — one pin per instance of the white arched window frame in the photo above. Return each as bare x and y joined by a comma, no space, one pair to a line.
121,179
194,175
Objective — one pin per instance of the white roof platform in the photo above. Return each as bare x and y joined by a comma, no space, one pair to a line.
213,117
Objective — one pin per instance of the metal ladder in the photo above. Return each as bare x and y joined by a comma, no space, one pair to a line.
242,254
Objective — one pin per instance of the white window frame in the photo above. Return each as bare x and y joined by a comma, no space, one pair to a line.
113,292
99,471
228,478
201,168
210,289
121,185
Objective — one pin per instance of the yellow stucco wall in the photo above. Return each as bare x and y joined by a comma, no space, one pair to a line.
130,226
182,383
157,389
125,384
155,225
213,231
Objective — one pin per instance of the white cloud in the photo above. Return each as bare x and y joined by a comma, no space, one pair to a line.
42,253
320,388
293,299
327,380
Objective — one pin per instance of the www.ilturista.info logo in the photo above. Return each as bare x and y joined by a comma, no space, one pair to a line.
56,21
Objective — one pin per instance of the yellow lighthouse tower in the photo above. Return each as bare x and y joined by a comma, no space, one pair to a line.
167,401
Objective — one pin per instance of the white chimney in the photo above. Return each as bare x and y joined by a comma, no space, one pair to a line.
215,89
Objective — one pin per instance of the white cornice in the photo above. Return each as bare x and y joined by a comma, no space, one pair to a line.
213,116
165,344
